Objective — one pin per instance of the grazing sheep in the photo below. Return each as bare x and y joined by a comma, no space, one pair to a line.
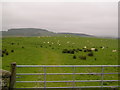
102,47
93,49
84,47
68,42
114,50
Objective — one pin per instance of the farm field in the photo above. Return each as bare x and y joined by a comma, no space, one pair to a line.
60,50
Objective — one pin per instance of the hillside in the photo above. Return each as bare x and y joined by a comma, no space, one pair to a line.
78,34
27,32
30,32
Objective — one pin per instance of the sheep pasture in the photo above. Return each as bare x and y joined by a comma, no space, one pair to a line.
60,50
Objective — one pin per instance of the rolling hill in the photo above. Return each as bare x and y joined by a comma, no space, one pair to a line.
30,32
27,32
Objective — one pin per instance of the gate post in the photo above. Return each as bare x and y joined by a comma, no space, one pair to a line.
44,78
13,76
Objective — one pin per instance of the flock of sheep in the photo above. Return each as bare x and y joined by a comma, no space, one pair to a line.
67,51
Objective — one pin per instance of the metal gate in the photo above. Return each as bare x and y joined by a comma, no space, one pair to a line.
73,73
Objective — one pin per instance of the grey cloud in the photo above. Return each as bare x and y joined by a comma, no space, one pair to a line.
92,18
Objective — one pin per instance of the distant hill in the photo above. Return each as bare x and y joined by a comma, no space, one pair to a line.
26,32
78,34
30,32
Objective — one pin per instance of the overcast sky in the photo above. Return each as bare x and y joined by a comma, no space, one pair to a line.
97,18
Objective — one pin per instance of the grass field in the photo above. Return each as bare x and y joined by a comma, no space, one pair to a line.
49,51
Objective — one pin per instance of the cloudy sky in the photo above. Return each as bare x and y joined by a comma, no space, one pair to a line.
96,18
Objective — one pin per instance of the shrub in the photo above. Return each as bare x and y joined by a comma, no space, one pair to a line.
12,50
105,83
90,54
68,51
88,50
2,55
7,53
74,57
82,57
65,51
3,51
71,52
12,43
80,49
96,49
76,50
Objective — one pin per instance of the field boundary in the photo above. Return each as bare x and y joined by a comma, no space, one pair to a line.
14,74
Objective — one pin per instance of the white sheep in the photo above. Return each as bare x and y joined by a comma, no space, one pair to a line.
85,47
68,42
92,49
103,47
114,50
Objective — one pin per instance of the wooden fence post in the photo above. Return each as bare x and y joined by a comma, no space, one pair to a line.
13,76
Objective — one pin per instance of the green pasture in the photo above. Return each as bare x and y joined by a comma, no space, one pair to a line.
48,51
